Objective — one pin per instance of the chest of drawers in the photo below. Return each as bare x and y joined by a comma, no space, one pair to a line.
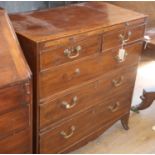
81,83
15,93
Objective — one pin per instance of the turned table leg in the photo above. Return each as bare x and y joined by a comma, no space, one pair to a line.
147,100
125,121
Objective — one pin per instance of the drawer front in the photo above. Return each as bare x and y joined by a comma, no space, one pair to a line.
14,121
116,37
18,143
69,75
69,49
86,96
12,97
71,131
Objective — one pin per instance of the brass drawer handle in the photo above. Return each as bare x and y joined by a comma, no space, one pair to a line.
69,52
117,83
66,105
65,135
115,107
124,39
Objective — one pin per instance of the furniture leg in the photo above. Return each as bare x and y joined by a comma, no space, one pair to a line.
147,100
125,121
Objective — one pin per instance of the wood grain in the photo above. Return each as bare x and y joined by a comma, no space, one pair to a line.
83,124
44,35
63,77
15,93
53,111
54,55
49,24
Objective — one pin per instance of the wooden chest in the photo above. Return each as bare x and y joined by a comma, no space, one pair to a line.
84,60
15,93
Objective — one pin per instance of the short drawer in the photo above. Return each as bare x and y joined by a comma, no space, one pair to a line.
72,102
128,34
71,75
12,97
14,121
80,126
18,143
69,49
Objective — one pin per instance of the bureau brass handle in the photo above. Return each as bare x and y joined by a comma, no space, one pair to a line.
115,107
66,105
124,39
65,135
117,83
69,52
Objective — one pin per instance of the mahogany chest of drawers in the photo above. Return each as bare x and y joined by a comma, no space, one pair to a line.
84,59
15,93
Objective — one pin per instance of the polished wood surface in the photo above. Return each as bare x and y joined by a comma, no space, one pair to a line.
16,97
141,124
13,64
113,39
81,87
53,53
53,23
16,121
15,93
53,111
69,75
17,143
84,124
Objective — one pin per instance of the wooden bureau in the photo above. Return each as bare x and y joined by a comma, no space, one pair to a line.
84,60
15,93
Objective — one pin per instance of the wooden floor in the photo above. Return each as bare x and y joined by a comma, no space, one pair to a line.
140,138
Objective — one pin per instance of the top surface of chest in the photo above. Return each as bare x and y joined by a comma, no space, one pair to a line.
13,66
54,23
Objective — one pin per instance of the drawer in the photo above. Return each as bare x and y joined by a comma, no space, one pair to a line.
66,134
18,143
14,121
72,102
71,75
72,131
12,97
69,49
128,34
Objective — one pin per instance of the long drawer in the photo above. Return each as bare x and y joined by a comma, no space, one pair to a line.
17,143
12,97
69,132
72,102
14,121
73,74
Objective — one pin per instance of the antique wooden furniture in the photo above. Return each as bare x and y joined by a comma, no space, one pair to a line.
147,98
148,95
84,59
15,93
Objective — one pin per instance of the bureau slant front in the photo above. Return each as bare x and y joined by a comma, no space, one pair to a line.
15,93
